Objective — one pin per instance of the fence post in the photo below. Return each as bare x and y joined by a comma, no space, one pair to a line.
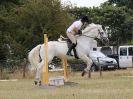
65,69
24,67
100,68
45,68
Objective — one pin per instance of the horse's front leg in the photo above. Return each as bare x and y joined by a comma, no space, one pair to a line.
88,62
38,73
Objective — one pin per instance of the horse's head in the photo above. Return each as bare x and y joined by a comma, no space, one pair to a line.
103,36
97,32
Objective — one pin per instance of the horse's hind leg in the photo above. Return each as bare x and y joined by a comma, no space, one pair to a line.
38,73
88,62
40,69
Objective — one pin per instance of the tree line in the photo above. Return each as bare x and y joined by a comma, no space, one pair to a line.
23,23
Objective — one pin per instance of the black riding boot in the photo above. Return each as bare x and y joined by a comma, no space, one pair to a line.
75,53
70,49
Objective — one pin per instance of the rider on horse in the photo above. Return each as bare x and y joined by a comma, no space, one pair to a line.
74,29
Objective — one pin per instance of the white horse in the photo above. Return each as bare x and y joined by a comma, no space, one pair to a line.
59,49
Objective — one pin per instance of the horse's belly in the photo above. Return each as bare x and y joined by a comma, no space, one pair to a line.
61,49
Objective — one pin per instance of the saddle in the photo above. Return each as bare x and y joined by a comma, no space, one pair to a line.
69,43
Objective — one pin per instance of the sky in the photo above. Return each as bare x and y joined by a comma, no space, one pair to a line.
84,3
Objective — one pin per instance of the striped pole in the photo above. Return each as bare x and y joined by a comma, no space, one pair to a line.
45,68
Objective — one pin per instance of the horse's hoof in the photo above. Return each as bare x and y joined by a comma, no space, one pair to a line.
35,82
83,73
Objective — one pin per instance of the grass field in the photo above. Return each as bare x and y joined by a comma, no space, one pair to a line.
112,85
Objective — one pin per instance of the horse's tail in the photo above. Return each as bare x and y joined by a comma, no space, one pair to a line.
34,57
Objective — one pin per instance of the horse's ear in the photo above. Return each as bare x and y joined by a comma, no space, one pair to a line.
103,27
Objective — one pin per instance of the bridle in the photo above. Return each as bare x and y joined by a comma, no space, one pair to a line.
103,39
96,37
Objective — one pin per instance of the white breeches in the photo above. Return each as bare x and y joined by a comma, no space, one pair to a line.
71,37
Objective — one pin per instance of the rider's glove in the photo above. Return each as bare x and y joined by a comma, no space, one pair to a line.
79,32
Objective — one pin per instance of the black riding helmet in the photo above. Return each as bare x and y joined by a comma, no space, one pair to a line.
86,19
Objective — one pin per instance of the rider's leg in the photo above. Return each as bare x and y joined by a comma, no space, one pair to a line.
73,39
70,49
75,53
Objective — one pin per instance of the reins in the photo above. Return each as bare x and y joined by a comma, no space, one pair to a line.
88,36
91,36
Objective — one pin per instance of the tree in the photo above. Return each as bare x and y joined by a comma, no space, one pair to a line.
118,19
119,3
6,7
24,23
129,18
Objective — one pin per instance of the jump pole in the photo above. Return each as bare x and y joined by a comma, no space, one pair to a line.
65,69
45,78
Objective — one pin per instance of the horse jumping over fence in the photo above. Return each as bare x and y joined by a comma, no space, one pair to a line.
59,49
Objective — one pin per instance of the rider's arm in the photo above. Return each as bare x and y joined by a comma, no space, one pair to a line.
75,30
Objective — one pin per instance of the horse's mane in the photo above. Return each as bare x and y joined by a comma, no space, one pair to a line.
89,27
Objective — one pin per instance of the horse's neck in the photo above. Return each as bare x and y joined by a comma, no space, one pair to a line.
90,30
85,44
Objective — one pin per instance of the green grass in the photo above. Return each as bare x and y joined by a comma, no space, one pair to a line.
112,85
